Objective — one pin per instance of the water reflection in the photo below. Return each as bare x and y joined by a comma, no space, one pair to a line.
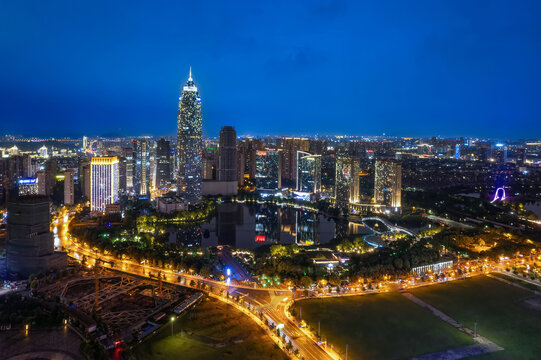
246,226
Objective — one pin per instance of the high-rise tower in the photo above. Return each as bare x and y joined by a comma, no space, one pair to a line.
163,169
227,160
189,143
388,183
103,183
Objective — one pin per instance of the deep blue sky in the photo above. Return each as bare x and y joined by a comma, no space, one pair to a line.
414,68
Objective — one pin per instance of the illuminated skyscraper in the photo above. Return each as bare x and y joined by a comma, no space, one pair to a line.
388,183
268,170
308,172
189,143
227,158
141,158
346,188
103,183
457,151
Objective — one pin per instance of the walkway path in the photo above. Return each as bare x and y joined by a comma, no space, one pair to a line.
483,344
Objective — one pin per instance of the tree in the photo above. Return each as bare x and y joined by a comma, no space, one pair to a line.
334,279
306,281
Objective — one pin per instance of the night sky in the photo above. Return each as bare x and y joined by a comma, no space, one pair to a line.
408,68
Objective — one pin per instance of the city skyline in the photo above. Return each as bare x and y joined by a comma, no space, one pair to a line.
402,70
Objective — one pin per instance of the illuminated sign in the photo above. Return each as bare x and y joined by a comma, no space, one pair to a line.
261,153
497,195
260,238
27,181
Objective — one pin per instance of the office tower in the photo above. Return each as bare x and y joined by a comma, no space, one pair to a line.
501,154
457,151
227,158
309,172
346,188
103,183
27,187
289,158
85,179
163,164
521,157
41,178
141,179
122,178
30,243
51,168
127,154
85,143
209,163
69,189
484,152
328,174
241,164
29,166
388,183
268,170
153,164
248,149
189,143
15,169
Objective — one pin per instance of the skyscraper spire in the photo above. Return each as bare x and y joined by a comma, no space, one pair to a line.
190,78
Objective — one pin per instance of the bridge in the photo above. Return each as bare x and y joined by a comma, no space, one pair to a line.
388,224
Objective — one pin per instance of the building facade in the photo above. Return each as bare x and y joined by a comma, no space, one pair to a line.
388,183
289,158
141,156
189,143
30,242
308,172
227,156
346,188
103,183
268,170
163,164
69,187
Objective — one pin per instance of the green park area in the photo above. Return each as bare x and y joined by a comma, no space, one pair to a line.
505,314
211,330
380,326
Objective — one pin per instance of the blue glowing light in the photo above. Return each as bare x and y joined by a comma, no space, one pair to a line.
27,181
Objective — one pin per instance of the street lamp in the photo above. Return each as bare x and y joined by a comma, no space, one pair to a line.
172,322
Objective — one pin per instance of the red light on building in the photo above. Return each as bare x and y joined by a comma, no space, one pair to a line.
260,238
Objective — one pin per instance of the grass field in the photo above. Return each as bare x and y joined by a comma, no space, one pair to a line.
500,310
211,330
526,284
382,326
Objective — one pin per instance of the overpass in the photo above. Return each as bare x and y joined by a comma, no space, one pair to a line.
388,224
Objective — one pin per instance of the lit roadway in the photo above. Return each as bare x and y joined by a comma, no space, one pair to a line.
273,302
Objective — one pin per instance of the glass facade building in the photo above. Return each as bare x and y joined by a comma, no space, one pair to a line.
141,158
189,143
308,172
268,170
163,164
